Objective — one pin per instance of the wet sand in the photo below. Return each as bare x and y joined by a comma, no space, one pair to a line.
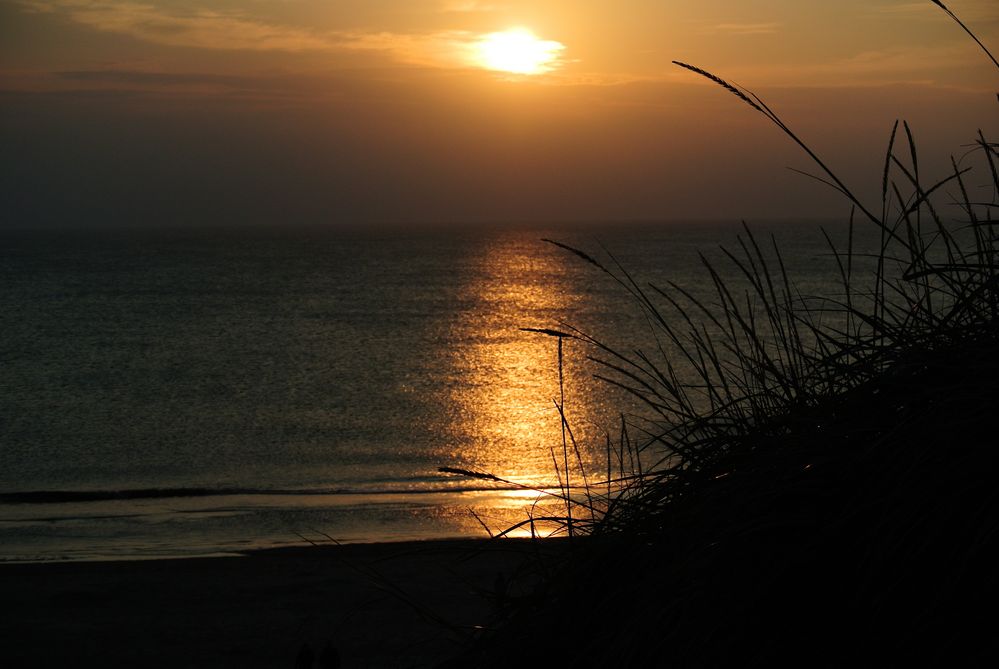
379,605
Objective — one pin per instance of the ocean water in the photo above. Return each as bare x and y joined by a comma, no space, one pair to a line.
204,392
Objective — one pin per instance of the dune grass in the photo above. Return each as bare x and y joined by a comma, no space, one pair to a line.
813,483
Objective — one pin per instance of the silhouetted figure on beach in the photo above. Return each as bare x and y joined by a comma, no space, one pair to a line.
329,658
305,658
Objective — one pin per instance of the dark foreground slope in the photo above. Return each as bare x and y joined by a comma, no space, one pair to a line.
376,605
859,532
836,503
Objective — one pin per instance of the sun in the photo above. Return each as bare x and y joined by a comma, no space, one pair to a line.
517,51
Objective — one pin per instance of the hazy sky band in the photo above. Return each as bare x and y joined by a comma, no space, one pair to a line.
378,109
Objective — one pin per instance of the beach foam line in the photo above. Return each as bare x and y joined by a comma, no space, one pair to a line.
71,496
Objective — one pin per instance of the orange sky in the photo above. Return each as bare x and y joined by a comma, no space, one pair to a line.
314,111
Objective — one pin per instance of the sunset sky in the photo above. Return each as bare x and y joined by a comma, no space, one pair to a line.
168,111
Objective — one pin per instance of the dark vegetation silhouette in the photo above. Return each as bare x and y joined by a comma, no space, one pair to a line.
814,483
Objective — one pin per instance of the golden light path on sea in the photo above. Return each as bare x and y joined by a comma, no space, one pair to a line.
509,423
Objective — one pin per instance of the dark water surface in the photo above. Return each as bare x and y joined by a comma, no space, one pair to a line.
202,392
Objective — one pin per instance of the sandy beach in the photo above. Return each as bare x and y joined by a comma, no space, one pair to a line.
379,605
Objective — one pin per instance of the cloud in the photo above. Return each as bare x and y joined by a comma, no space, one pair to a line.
147,78
237,31
200,28
469,6
450,48
981,12
950,65
918,61
744,28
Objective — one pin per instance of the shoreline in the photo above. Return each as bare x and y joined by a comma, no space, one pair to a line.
231,524
400,604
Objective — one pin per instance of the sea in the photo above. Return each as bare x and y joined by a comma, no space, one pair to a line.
197,392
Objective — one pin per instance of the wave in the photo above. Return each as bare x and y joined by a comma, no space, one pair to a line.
71,496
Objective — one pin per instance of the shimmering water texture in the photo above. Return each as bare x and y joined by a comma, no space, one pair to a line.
201,393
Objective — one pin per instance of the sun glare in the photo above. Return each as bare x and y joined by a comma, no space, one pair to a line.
518,51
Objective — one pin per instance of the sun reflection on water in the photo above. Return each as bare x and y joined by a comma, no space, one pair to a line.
509,425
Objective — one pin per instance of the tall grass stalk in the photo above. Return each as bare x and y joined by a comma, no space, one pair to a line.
761,358
812,484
